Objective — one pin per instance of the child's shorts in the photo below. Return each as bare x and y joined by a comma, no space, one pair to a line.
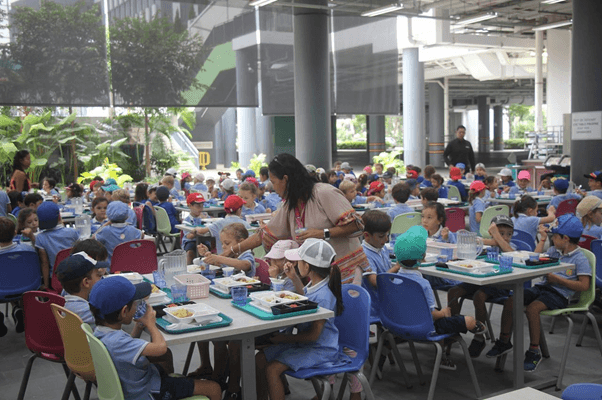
547,295
190,246
490,291
173,388
453,324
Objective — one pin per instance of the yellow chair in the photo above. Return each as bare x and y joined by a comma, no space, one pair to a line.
403,222
488,215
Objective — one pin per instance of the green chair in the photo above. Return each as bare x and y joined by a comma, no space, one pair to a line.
453,191
164,230
109,385
12,218
403,222
488,215
259,252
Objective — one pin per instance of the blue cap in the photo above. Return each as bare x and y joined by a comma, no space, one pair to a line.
461,165
113,293
561,184
78,265
250,172
412,183
117,211
569,225
387,175
48,215
340,173
411,245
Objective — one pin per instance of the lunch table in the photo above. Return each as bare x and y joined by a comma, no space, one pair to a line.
245,328
542,201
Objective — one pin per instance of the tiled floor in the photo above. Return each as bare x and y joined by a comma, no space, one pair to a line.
584,365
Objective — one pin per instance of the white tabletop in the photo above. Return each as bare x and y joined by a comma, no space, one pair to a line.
540,203
527,393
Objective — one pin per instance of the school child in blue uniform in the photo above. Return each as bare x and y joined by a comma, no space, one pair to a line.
507,179
118,231
455,176
560,190
53,238
169,183
227,189
477,205
33,200
99,213
248,192
195,203
491,193
553,293
401,194
231,236
437,183
124,196
525,216
4,203
271,200
162,196
590,212
433,220
522,187
114,302
16,202
276,259
377,226
594,181
198,182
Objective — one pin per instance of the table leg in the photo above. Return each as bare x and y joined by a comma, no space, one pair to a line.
247,367
519,339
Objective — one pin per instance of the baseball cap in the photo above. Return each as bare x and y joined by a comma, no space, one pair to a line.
92,185
368,169
455,173
412,174
48,215
589,203
503,220
117,211
233,203
411,245
505,172
253,181
280,247
78,265
387,175
186,175
320,171
461,165
228,184
346,165
477,186
316,252
596,175
375,187
561,184
350,177
110,185
112,294
310,168
171,171
524,175
195,198
568,225
250,172
199,176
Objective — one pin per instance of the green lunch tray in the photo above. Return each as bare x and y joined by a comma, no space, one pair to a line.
219,294
256,312
487,275
161,323
523,266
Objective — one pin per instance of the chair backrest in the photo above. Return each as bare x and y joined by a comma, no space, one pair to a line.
524,237
568,206
455,219
586,241
488,215
403,222
19,273
139,216
596,249
109,385
453,191
149,222
136,255
54,281
520,245
77,350
262,271
354,322
587,297
373,298
259,252
42,335
163,224
12,218
403,308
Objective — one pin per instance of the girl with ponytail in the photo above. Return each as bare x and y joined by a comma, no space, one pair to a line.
525,216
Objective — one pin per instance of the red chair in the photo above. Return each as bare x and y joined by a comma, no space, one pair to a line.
586,241
568,206
262,271
455,219
139,216
42,335
55,284
136,255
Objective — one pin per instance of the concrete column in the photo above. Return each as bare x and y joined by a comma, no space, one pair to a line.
483,106
312,85
220,150
436,125
586,83
498,128
245,94
333,136
413,108
558,93
229,135
263,133
538,81
376,135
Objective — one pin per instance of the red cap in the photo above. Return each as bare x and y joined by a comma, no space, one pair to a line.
92,185
233,203
368,169
195,198
477,186
411,174
455,173
375,187
186,175
253,181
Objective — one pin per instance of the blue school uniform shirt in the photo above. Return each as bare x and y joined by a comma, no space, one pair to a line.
139,378
556,200
175,195
172,214
216,227
248,256
16,247
478,205
199,186
460,187
258,209
15,211
581,267
4,202
593,230
443,192
479,178
597,193
115,234
527,224
97,224
81,307
177,185
132,218
194,221
517,190
359,200
426,183
451,238
420,179
400,208
378,258
272,201
54,240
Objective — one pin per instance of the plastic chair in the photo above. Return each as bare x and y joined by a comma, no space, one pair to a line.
596,248
488,215
42,336
568,206
597,252
453,191
149,223
259,252
403,222
109,385
404,312
586,298
77,350
136,255
19,273
524,237
55,284
139,216
455,218
354,329
586,241
582,391
12,218
164,230
262,271
521,246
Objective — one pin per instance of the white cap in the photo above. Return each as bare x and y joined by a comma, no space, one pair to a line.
316,252
280,247
350,177
171,171
228,184
199,177
320,170
505,172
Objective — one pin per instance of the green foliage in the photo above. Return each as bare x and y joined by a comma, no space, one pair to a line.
390,159
522,119
257,161
234,165
106,171
163,158
359,124
394,131
351,145
517,143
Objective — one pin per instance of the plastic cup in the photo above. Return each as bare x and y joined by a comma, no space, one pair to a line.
493,253
239,295
140,310
512,196
208,273
159,279
442,258
505,263
448,252
228,271
178,292
277,284
534,257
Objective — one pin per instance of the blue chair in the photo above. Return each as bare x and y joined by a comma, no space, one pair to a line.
19,273
520,245
524,237
404,312
354,334
583,391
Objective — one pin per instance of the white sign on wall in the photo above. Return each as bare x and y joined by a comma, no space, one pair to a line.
587,125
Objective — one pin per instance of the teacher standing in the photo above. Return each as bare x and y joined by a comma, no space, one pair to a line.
311,210
19,180
460,150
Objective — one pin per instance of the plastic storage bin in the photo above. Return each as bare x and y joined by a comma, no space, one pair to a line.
197,286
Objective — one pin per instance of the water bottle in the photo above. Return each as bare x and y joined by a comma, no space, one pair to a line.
83,225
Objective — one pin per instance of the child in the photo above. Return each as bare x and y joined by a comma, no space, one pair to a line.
228,189
264,174
590,212
524,178
401,194
479,172
272,200
455,176
379,169
4,203
433,220
123,196
99,213
410,248
477,205
316,343
350,190
507,179
118,231
231,236
185,181
525,216
198,183
346,168
74,190
107,189
27,226
195,203
428,194
210,185
546,182
140,194
414,189
53,238
362,183
174,174
501,230
553,293
152,196
411,174
437,183
239,174
491,192
595,184
114,302
233,208
560,193
429,171
169,183
78,274
377,226
387,177
277,260
162,196
48,187
33,200
248,192
462,168
95,189
16,202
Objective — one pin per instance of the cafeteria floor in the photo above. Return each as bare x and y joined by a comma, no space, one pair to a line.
584,364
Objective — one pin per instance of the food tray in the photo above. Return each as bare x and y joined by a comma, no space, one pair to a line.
519,257
225,294
197,286
270,298
470,266
163,324
240,280
486,275
263,315
199,311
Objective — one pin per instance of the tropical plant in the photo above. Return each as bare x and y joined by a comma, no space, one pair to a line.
390,159
234,165
257,161
107,171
